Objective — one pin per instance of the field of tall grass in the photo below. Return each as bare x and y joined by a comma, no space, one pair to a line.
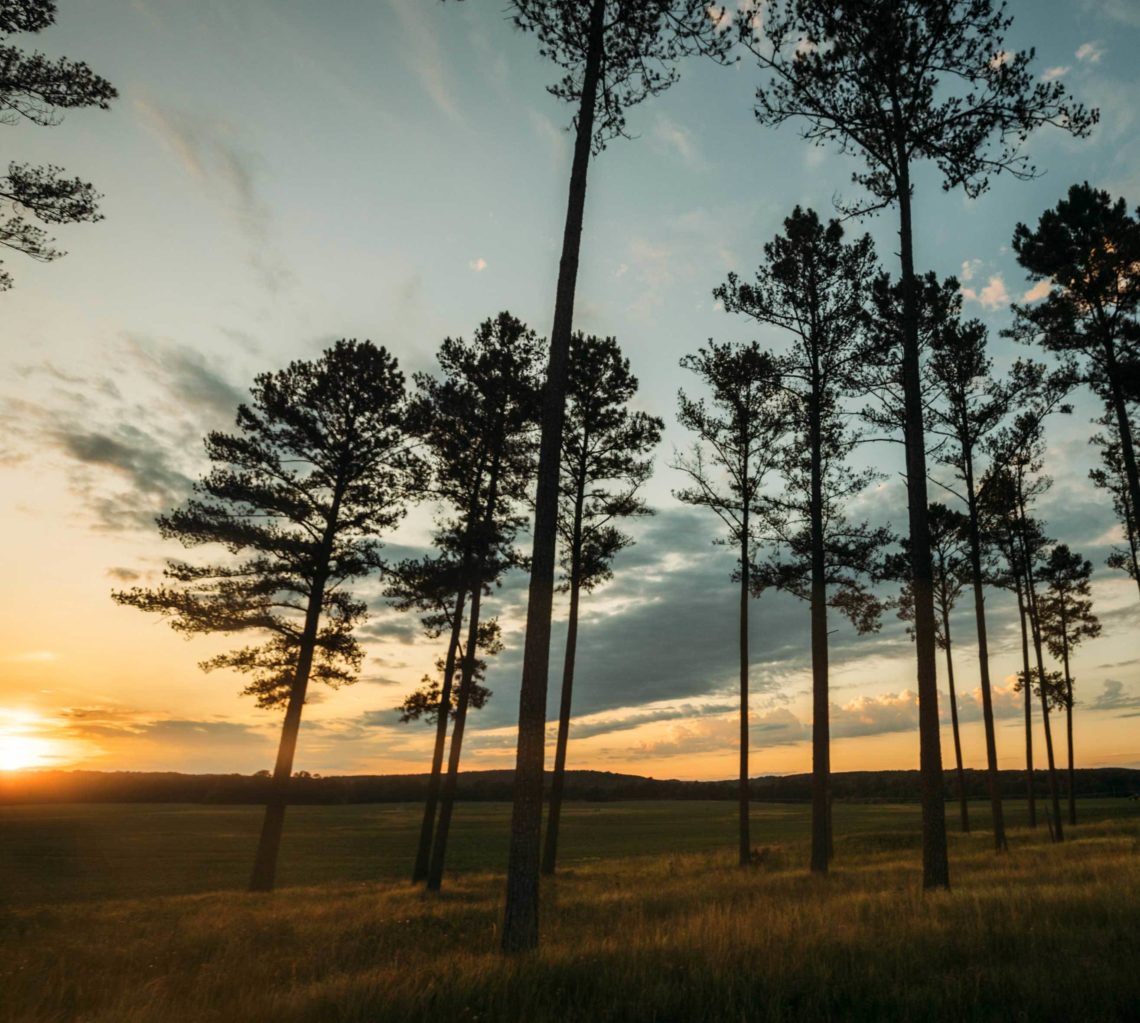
1043,933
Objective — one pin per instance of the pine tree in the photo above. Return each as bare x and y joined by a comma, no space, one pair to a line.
813,285
740,439
318,469
1067,620
896,84
604,463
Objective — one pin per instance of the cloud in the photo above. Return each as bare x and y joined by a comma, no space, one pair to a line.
125,458
1000,58
424,56
33,657
227,172
478,265
1124,11
1051,73
678,138
992,296
1039,291
123,575
970,267
1113,697
1092,52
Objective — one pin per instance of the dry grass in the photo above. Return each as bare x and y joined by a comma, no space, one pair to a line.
1045,933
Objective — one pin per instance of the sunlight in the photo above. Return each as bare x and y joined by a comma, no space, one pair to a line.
20,746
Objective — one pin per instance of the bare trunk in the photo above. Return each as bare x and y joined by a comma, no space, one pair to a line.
935,859
1035,623
520,918
447,798
1000,844
820,728
1068,712
964,806
745,836
1031,794
1123,426
269,843
557,781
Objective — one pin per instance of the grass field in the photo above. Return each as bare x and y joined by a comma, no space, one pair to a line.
118,914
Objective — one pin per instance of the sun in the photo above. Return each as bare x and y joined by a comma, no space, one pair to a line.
18,752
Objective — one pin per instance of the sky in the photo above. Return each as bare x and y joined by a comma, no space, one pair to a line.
278,174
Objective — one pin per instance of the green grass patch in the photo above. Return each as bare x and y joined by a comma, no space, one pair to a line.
649,920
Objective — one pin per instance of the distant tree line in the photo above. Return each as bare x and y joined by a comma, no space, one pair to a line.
496,786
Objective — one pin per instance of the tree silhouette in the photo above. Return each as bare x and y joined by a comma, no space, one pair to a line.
476,422
898,83
1112,476
813,285
1067,620
604,463
36,89
949,546
972,407
739,442
317,470
1087,249
998,505
614,54
1019,451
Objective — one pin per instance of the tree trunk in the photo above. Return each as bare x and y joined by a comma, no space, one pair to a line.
557,781
745,834
954,722
427,827
520,918
1000,844
1031,794
269,843
447,798
1068,712
820,727
1035,623
1123,426
935,859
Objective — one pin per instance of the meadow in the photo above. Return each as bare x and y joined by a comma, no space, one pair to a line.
136,913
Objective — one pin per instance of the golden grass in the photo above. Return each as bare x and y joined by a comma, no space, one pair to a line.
1044,933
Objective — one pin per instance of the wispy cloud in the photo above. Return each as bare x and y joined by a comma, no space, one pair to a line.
1039,291
424,55
679,139
1055,72
478,265
227,172
1091,52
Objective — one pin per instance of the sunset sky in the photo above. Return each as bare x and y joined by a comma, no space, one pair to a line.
277,176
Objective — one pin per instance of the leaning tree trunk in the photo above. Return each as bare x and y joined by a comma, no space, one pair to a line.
1068,713
992,776
954,721
1035,623
447,798
820,728
1031,794
1123,426
269,843
557,781
520,917
935,858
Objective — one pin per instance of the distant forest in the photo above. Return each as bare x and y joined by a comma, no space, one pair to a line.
596,786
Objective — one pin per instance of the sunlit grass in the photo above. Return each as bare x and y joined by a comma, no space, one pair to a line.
1045,933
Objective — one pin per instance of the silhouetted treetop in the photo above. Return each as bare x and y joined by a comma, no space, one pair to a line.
899,80
641,43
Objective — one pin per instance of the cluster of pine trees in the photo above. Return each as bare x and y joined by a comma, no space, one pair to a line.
515,434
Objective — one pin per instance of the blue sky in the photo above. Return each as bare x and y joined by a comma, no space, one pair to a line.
277,175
